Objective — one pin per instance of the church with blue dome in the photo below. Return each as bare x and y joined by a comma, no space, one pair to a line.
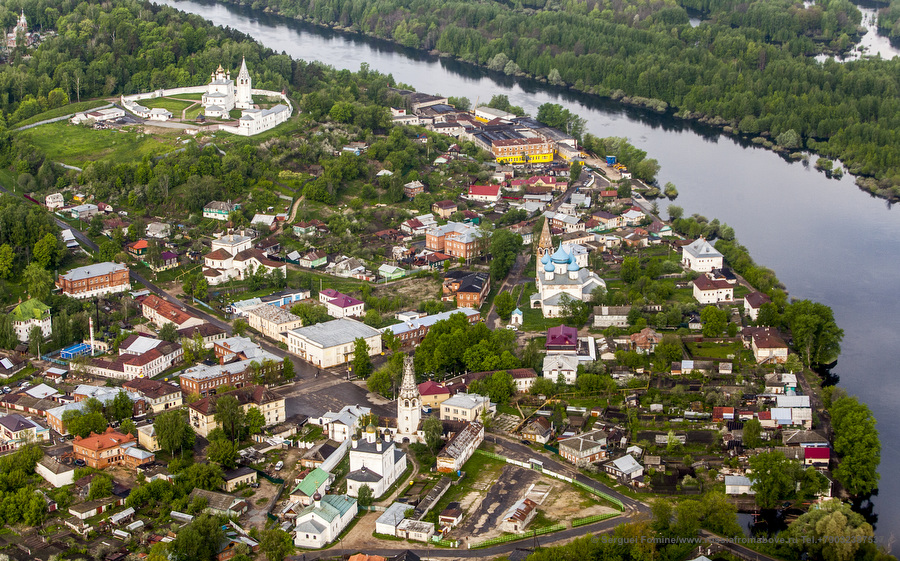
559,273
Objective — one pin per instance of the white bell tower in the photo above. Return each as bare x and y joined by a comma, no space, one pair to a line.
242,97
409,404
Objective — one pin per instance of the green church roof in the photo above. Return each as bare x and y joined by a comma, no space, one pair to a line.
30,309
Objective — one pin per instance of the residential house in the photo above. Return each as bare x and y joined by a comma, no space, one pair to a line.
237,356
467,288
220,504
218,210
484,193
110,448
158,230
738,485
562,340
589,447
146,435
451,516
138,249
753,302
625,468
700,256
341,424
313,258
769,347
645,341
460,448
374,462
444,208
167,260
564,222
159,395
564,365
323,521
817,457
16,430
456,239
209,332
433,394
539,430
95,280
709,291
273,321
781,383
412,332
340,305
269,403
464,407
30,314
415,530
304,228
55,472
413,188
235,478
160,312
84,212
387,523
54,201
523,378
391,272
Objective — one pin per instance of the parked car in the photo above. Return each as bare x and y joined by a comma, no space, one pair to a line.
254,485
279,465
79,462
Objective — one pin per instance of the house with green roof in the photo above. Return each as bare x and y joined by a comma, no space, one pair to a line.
323,521
316,481
28,314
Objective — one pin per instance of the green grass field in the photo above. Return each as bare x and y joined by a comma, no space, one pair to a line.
176,106
192,97
60,111
77,145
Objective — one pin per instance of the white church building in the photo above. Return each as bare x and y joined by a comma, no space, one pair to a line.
224,94
558,274
374,461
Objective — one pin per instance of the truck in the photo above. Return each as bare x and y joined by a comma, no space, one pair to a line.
610,160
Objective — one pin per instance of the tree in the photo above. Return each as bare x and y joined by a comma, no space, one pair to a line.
240,326
505,305
200,540
381,382
856,442
287,369
773,478
832,531
6,261
434,430
128,427
365,496
362,363
255,421
276,544
101,487
505,246
173,431
372,318
391,341
168,332
82,423
223,452
120,407
675,212
37,280
817,338
311,314
45,250
575,311
230,415
201,289
668,350
543,386
631,269
752,432
714,321
35,338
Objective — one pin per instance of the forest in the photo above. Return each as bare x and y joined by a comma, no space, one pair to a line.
748,66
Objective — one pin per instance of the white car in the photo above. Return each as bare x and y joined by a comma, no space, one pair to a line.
279,465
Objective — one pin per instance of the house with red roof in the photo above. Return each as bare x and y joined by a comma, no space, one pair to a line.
137,249
340,305
433,394
562,339
753,302
709,291
484,193
818,457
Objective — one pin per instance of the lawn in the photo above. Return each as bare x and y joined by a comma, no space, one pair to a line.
64,110
723,351
192,97
176,106
77,145
479,470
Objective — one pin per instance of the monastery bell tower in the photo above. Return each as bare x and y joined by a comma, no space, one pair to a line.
409,403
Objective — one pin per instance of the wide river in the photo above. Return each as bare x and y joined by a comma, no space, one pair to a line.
825,239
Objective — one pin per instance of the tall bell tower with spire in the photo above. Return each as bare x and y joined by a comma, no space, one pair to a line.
409,404
545,245
242,89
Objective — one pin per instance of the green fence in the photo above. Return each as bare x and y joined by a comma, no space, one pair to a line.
591,519
269,478
618,504
490,455
514,537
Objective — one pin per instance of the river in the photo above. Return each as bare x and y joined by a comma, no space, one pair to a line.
826,240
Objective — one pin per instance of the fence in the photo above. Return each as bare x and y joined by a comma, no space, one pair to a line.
618,504
591,519
514,537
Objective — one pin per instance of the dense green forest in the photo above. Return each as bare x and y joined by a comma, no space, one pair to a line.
748,66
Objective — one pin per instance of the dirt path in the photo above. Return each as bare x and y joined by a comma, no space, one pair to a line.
402,486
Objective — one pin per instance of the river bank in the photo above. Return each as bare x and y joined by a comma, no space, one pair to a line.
880,188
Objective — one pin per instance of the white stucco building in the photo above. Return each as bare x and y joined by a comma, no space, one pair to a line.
332,343
322,522
224,94
700,256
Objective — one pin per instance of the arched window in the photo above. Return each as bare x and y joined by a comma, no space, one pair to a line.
406,403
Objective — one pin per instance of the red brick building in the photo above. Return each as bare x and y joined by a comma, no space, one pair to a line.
111,448
95,280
